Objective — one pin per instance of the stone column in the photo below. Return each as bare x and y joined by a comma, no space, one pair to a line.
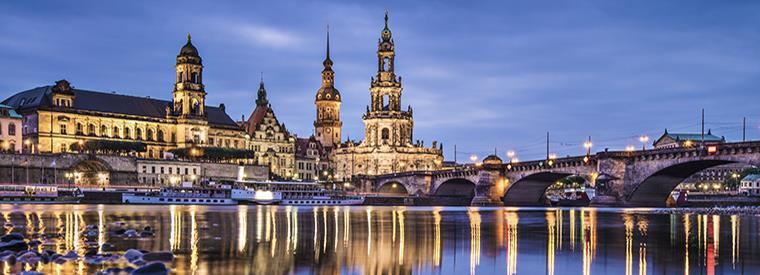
486,193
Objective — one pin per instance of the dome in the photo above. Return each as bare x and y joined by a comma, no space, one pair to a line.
189,49
328,93
492,159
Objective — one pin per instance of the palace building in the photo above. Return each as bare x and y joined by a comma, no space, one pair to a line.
58,116
270,141
388,145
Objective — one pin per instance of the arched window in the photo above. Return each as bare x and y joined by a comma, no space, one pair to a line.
103,131
115,132
386,64
385,135
160,135
194,78
149,135
179,76
12,129
138,134
80,129
127,134
91,129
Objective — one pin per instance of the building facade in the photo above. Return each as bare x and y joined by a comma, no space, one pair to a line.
312,160
388,145
10,129
270,141
676,140
59,116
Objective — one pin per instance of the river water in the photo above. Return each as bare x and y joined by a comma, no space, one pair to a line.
400,240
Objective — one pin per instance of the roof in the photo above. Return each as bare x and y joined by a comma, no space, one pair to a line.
110,103
751,177
689,136
302,145
11,112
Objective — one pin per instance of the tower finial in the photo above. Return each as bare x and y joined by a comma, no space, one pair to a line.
189,37
328,41
386,18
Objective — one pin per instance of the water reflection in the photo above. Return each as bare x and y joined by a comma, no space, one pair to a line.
400,240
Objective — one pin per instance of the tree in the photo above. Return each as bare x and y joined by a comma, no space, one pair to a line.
733,180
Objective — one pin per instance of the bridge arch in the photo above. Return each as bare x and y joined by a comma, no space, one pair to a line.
456,187
530,190
393,187
655,188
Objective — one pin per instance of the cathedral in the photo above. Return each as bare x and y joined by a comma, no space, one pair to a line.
388,145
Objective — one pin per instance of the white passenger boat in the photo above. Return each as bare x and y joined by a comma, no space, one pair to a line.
222,195
300,193
39,194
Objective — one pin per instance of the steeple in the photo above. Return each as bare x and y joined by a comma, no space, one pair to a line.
262,95
328,62
386,33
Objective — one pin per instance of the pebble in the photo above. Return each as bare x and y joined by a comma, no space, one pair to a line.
133,255
10,237
14,245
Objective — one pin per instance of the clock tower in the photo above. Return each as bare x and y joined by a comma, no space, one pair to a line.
327,125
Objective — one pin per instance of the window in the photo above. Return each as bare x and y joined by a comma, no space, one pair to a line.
12,129
211,140
103,131
170,170
194,78
91,129
160,135
149,135
115,132
385,135
127,134
153,169
174,137
62,128
138,134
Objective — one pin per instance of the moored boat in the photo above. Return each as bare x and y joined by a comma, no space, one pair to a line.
39,194
300,193
215,195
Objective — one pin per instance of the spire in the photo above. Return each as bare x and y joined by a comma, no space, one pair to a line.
189,37
328,62
262,96
386,33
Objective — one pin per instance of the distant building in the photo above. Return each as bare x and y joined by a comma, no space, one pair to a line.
750,185
312,159
10,129
712,175
271,142
673,140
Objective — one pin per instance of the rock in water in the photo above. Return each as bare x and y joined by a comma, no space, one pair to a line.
132,255
11,237
14,245
163,256
154,268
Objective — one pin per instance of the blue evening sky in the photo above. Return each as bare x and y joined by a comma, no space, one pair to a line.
481,75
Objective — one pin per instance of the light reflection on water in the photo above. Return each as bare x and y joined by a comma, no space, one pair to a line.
399,240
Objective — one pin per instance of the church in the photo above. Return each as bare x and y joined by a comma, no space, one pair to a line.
388,145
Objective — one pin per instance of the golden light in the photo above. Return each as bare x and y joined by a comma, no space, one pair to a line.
509,166
346,184
515,160
712,149
193,177
6,144
316,178
510,154
80,142
629,148
587,144
552,156
586,159
27,142
644,138
473,157
478,164
550,162
688,143
394,186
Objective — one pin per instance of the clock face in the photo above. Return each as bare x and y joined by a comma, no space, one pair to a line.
328,130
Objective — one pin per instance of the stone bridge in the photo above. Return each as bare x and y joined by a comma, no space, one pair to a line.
621,178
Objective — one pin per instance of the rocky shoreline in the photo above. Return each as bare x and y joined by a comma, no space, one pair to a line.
729,210
17,249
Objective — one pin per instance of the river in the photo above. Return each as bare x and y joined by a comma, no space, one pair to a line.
399,240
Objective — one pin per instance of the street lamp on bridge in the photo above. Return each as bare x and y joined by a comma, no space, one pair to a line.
643,139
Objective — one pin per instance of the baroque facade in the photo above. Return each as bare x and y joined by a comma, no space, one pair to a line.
58,116
270,141
388,145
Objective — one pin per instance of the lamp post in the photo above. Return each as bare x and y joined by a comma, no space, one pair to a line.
643,139
588,146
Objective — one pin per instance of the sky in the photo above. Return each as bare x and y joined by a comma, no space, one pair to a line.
484,76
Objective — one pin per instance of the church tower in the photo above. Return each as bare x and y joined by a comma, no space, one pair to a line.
327,125
384,122
189,94
189,98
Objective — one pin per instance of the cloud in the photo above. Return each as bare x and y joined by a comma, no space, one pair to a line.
265,36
